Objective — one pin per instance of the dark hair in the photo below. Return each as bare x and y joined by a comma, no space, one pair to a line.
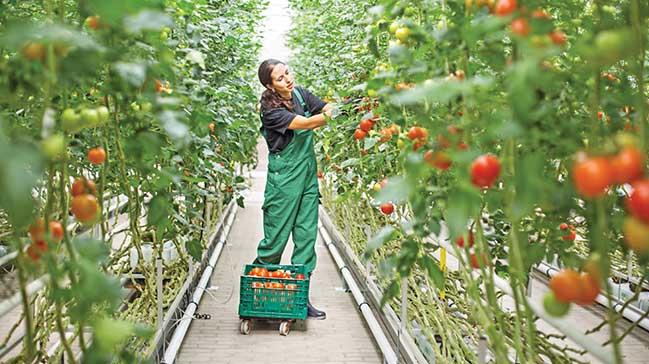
269,98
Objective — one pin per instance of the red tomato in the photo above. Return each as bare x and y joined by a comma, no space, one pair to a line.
56,231
572,235
558,37
299,276
541,14
37,230
460,240
439,160
627,165
365,125
83,186
592,176
476,262
588,291
291,287
33,253
386,135
566,285
638,202
520,27
387,208
268,285
359,134
417,132
505,7
485,170
563,226
320,174
85,207
97,155
257,285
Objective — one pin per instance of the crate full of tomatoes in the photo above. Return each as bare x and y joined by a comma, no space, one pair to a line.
274,291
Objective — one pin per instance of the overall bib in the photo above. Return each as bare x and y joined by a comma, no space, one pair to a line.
291,201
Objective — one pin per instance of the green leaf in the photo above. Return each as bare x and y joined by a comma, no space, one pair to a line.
113,11
110,333
133,73
349,162
370,142
172,125
396,191
464,204
434,272
19,175
384,235
158,210
147,20
195,249
529,184
439,90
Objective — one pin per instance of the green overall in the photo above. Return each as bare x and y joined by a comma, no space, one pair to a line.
291,201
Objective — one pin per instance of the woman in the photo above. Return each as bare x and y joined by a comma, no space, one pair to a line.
289,114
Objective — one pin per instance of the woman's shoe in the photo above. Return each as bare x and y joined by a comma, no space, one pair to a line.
314,313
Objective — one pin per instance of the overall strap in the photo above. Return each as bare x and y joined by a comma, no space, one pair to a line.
297,93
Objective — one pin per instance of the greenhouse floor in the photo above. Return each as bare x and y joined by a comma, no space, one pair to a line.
342,338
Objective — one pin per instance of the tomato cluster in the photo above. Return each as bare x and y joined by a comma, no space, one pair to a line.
84,205
569,286
594,176
39,245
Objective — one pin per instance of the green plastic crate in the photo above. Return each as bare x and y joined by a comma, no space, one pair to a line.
272,302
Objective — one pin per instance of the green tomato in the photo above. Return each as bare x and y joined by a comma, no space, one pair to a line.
393,27
70,120
146,106
103,113
609,9
402,33
54,146
614,45
553,306
409,11
164,35
401,144
90,117
135,106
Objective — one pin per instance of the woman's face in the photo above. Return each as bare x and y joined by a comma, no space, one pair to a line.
282,80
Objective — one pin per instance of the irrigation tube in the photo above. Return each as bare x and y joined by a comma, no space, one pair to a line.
181,330
630,312
388,352
565,328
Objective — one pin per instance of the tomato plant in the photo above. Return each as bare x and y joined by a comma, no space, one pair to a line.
538,105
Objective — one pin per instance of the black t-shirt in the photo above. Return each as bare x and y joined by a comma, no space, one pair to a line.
276,121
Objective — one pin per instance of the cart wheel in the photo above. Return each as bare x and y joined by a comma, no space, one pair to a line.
284,328
245,327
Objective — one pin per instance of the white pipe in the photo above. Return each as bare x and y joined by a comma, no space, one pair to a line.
181,330
408,344
388,352
631,313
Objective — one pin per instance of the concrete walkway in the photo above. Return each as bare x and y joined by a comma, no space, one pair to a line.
342,338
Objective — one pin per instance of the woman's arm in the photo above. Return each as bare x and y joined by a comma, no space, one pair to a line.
328,107
315,121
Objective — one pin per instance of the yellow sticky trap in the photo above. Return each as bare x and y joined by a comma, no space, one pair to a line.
442,267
